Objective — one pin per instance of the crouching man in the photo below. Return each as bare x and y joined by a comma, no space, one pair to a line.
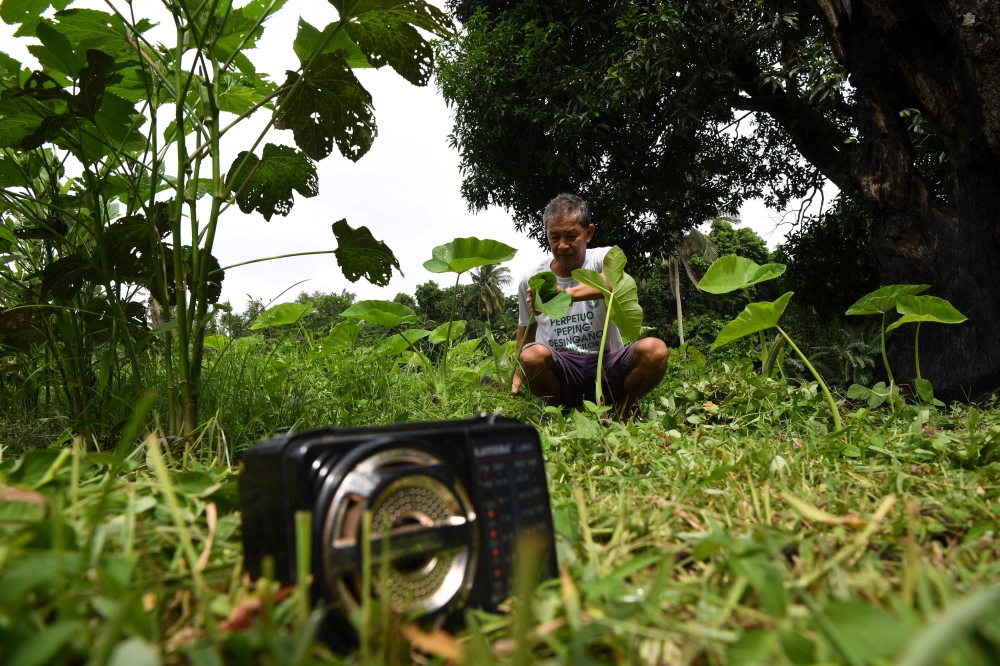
559,358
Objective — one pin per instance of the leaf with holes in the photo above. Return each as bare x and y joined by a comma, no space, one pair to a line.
360,255
328,106
386,32
266,184
309,38
64,278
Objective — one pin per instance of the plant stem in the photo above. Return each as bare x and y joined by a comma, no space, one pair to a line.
600,355
277,256
885,359
829,397
916,348
447,343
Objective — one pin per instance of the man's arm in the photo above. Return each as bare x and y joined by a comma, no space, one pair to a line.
525,334
584,292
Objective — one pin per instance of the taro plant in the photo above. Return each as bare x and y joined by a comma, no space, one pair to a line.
758,317
732,272
881,302
621,297
546,299
459,256
116,171
919,309
393,316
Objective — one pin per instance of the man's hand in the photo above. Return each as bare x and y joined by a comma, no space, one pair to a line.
515,385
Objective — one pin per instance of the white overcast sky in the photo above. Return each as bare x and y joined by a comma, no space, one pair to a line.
405,190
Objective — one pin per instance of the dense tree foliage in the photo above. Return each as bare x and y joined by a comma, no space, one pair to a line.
639,107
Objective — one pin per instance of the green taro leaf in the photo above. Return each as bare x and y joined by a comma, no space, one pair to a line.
464,254
874,396
884,300
755,317
440,334
385,30
216,342
266,185
733,272
926,308
359,254
626,313
341,337
282,314
328,106
397,344
386,313
546,298
309,38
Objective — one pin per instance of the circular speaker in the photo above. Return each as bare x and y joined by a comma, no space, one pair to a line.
420,512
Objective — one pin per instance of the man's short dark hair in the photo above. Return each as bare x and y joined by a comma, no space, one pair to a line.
567,205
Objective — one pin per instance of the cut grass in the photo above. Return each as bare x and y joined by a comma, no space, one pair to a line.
726,527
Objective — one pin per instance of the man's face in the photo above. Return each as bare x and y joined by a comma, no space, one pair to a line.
568,240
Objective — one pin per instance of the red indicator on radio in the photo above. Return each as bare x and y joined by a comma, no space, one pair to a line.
490,513
497,573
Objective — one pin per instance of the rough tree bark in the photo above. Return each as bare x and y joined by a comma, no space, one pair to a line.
943,58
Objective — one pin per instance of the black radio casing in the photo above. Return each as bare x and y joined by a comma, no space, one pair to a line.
497,461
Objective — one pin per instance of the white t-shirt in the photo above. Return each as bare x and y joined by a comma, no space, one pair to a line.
580,329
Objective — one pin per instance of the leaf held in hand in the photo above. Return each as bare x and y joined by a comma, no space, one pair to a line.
546,297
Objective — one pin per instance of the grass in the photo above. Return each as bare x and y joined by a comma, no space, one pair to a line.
728,526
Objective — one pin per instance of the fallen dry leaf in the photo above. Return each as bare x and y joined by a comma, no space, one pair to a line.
184,636
212,516
438,642
23,495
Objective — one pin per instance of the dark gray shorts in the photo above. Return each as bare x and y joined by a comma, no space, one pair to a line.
577,374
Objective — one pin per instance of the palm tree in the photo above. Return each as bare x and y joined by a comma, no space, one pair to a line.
487,289
691,243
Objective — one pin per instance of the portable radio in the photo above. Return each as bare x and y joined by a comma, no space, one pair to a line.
451,499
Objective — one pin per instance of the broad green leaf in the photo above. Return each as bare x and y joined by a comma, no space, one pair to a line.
386,32
309,38
94,29
733,272
755,317
217,342
282,314
238,96
396,344
41,648
342,336
925,391
766,579
753,647
329,106
799,649
17,120
464,254
626,313
386,313
546,298
884,299
65,277
266,185
55,51
359,254
440,334
874,396
592,279
925,308
19,11
871,633
466,346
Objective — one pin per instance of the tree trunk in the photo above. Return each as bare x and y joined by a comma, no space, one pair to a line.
942,58
675,269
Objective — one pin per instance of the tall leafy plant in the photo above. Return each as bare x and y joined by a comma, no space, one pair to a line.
459,256
732,272
621,297
881,302
758,317
920,309
114,177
